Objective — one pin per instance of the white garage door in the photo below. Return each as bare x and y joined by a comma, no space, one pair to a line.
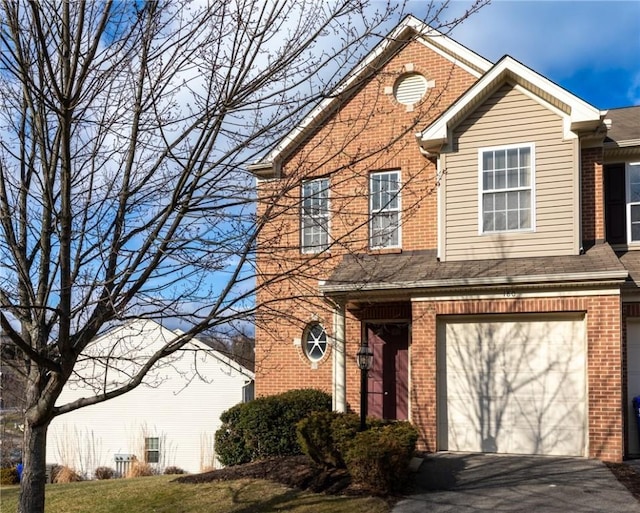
512,385
633,387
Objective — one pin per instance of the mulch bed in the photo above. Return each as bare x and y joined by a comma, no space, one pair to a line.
299,472
627,476
293,471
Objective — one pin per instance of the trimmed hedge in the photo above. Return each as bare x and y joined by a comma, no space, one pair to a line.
266,426
377,459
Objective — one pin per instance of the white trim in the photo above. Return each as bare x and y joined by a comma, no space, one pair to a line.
441,208
577,198
314,250
580,114
490,281
339,361
531,188
456,53
628,202
305,342
509,293
408,28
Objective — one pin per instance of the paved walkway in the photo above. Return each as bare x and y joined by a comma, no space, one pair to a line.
471,483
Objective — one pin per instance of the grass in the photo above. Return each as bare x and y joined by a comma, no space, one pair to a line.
158,495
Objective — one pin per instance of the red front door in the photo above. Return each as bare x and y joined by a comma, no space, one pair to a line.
389,377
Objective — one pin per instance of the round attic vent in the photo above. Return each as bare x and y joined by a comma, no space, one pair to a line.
410,88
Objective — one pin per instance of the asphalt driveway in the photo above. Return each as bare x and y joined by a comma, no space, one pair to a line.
466,483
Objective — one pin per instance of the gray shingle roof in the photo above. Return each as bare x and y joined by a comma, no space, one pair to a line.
631,261
625,124
421,269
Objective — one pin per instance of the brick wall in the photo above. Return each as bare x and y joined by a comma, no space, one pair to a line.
369,132
604,360
592,195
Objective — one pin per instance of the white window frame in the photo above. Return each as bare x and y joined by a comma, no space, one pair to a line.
531,188
628,200
319,341
385,209
324,215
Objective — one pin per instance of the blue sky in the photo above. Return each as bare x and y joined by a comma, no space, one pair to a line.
591,48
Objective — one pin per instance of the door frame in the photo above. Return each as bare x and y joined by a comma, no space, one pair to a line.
365,324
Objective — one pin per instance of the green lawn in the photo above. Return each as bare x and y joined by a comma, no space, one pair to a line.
159,495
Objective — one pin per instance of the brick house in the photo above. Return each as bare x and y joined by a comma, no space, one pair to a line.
475,225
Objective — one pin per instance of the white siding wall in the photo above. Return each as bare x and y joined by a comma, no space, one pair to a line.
183,410
511,117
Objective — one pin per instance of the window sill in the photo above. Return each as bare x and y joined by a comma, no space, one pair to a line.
385,251
319,254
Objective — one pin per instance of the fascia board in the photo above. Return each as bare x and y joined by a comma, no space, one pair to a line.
580,113
409,27
466,282
453,51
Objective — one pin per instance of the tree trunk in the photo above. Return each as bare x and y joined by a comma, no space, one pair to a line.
34,469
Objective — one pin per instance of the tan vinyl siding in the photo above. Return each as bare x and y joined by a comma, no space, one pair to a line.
511,117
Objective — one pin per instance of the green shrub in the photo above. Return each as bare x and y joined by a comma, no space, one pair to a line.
378,459
9,476
327,436
266,426
316,438
230,445
104,473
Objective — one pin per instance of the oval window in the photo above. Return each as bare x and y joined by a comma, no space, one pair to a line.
315,342
410,88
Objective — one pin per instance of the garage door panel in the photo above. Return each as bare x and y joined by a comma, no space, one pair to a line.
513,385
633,383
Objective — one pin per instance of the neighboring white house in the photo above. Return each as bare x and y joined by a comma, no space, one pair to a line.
169,420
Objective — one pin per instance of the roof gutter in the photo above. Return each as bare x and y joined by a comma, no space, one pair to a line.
475,282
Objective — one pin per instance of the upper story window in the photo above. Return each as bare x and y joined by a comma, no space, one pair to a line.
384,209
633,202
506,188
315,216
622,199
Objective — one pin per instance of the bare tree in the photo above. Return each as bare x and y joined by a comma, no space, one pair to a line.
125,135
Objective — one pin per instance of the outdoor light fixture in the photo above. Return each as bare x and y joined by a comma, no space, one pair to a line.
364,358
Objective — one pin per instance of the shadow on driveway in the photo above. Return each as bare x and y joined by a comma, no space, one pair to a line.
465,483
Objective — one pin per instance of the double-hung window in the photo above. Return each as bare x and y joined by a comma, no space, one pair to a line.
152,450
633,202
315,216
384,209
506,188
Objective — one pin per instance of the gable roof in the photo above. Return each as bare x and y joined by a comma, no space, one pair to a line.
157,335
578,114
409,29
